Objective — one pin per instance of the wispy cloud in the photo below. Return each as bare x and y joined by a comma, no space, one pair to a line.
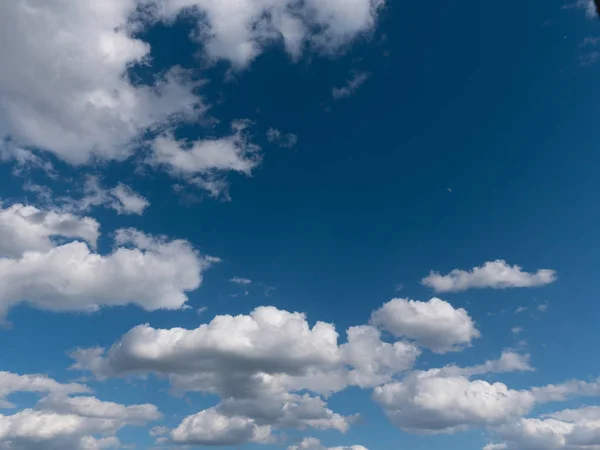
351,86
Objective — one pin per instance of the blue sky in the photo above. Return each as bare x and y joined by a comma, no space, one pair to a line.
318,225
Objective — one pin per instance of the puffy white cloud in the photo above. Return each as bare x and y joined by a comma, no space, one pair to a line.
357,80
260,365
435,324
427,402
238,30
84,105
209,427
314,444
493,274
12,382
27,228
59,421
151,272
569,429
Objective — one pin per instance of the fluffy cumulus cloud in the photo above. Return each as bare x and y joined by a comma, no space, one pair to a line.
571,429
84,105
493,274
148,271
314,444
434,403
264,367
209,427
435,324
60,421
87,107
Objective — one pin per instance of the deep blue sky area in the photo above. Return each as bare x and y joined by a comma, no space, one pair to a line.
474,138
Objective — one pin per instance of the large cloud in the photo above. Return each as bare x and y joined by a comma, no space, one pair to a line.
261,366
27,228
64,86
151,272
435,324
85,106
493,274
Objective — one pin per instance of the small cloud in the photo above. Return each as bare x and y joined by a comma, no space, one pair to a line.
590,41
240,281
449,189
357,80
589,59
587,5
282,140
201,310
520,309
399,287
542,307
516,330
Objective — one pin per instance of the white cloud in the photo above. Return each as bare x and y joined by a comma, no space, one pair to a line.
11,383
59,421
282,140
262,366
238,31
428,402
571,429
516,330
241,281
314,444
202,162
84,105
493,274
209,428
495,447
121,198
151,272
521,309
435,324
27,228
357,80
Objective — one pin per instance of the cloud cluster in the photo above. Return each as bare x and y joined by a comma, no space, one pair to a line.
264,367
493,274
60,421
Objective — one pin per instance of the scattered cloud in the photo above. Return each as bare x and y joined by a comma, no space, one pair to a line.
493,274
357,80
314,444
587,5
521,309
282,140
60,420
516,330
240,281
435,324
